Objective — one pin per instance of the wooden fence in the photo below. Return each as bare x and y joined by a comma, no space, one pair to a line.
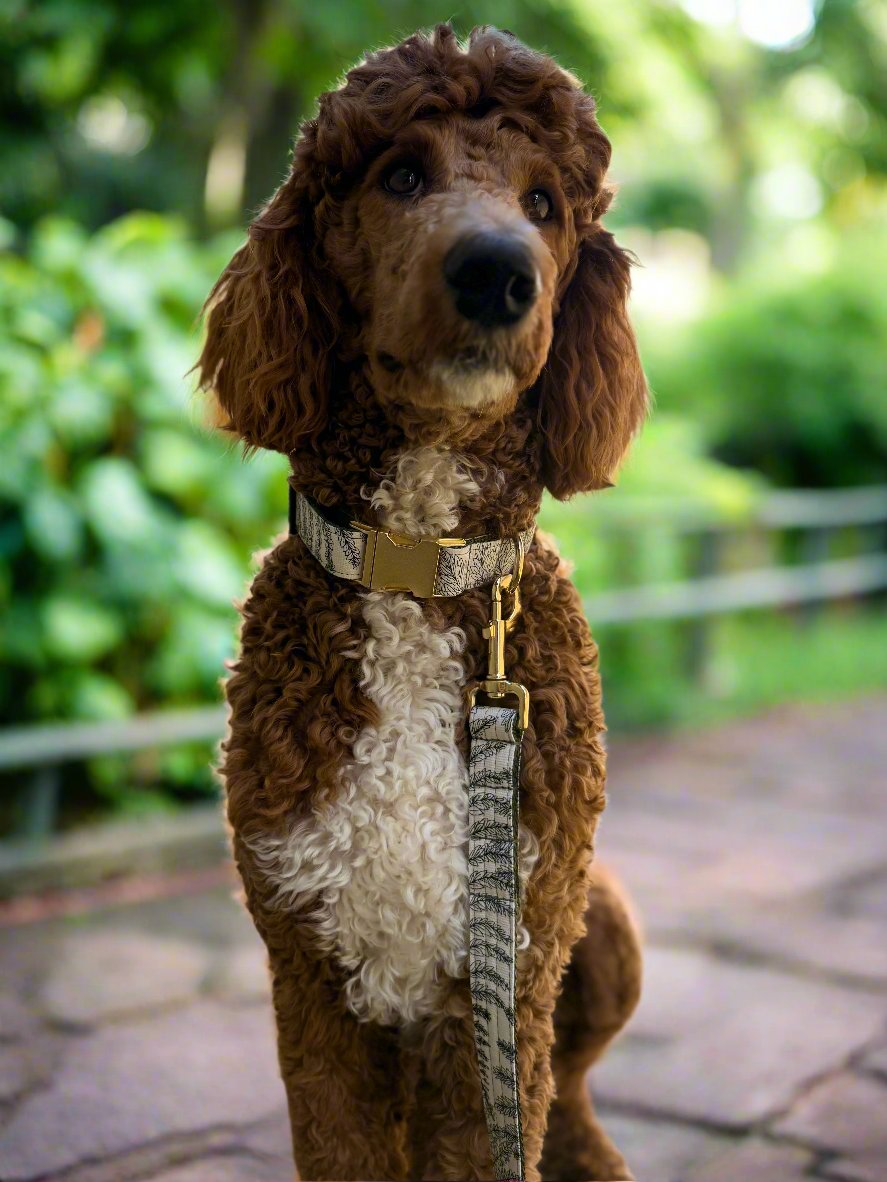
40,751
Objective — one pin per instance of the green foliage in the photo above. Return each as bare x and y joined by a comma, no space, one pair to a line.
754,661
788,374
687,673
125,525
108,105
627,535
851,37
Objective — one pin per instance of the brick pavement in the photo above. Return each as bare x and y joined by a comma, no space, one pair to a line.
136,1041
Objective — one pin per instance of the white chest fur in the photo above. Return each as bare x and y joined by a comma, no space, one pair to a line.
382,867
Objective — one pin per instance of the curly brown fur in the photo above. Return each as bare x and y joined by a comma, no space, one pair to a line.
332,338
601,988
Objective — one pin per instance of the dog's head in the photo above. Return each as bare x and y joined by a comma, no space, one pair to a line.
440,227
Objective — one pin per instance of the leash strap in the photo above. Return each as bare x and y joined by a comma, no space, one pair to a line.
493,903
429,567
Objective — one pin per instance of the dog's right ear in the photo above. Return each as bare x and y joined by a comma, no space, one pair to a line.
272,323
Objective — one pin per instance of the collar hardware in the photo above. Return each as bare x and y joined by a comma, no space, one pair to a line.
496,685
392,562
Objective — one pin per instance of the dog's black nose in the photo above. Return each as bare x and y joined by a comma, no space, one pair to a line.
493,278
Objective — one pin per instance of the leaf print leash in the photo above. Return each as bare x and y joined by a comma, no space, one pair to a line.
496,734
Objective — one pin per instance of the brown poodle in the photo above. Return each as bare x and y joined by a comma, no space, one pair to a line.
430,320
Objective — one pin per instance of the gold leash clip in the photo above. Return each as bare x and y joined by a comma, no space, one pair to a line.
495,685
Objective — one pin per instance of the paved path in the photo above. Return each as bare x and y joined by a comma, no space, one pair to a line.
135,1042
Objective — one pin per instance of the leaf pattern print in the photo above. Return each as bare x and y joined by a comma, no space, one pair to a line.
493,780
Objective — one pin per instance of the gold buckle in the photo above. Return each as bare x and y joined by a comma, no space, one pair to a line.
392,562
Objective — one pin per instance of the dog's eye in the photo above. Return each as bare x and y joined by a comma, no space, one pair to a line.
538,205
403,179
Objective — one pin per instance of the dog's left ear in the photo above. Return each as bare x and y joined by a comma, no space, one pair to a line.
273,320
592,391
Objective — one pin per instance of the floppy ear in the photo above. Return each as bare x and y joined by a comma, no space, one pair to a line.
271,326
592,391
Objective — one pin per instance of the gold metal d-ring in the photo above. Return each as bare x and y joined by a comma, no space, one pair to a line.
513,582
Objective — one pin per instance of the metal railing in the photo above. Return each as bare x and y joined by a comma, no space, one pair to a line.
42,750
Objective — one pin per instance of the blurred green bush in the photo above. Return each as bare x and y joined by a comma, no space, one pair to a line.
787,373
627,535
125,524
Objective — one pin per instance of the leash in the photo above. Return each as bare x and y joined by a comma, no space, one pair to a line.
434,567
496,734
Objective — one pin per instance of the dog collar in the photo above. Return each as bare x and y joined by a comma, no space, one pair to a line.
382,560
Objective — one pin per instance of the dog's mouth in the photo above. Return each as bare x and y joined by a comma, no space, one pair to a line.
474,382
472,377
474,358
470,360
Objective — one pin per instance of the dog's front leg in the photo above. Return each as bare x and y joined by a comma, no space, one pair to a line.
449,1118
342,1077
448,1126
